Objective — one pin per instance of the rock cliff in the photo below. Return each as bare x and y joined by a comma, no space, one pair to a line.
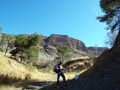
56,40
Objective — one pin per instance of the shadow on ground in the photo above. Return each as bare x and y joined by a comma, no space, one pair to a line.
32,85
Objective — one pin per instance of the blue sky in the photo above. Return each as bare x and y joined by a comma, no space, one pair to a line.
75,18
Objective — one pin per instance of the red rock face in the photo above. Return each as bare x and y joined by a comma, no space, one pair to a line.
56,40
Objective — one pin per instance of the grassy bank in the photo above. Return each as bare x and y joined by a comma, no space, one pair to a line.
13,70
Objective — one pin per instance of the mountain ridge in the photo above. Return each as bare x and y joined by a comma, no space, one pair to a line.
56,40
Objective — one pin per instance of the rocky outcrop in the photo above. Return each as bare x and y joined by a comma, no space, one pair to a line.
57,40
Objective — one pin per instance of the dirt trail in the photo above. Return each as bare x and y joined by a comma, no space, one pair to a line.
46,79
36,85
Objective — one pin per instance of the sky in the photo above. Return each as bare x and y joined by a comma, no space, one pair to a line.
75,18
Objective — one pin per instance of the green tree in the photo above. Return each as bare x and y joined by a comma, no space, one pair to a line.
27,45
7,42
111,9
112,12
35,39
110,40
33,52
21,41
34,46
63,51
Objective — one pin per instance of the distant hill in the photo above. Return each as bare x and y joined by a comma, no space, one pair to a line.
56,40
96,50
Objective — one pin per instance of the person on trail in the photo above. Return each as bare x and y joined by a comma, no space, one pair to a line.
59,72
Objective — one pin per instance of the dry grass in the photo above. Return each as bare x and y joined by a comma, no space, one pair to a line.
7,87
10,68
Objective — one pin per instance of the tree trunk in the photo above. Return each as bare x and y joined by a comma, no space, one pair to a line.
7,48
116,46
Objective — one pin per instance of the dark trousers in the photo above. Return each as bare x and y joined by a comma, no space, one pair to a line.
62,75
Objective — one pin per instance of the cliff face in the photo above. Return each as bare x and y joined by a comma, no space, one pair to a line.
57,40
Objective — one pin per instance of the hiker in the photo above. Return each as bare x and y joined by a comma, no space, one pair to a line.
58,70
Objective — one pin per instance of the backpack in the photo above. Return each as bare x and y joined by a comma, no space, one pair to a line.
56,70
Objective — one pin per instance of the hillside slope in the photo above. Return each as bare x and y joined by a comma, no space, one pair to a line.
13,71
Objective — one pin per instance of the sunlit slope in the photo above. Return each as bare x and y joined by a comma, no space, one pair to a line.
13,70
